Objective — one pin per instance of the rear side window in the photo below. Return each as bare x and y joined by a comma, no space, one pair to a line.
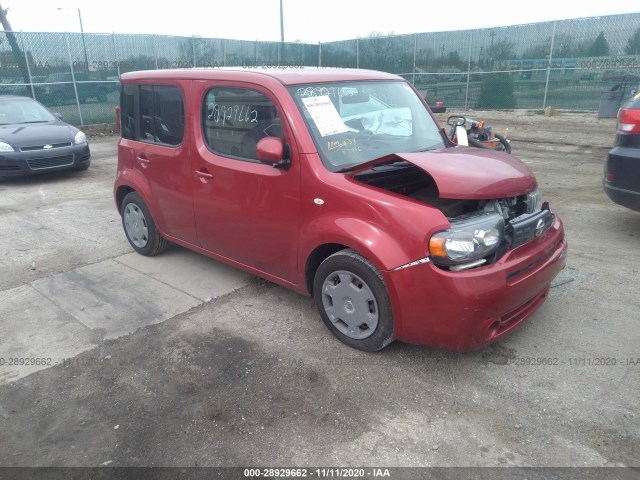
127,111
236,118
159,113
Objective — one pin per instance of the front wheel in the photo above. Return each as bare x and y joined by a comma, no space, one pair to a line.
139,227
353,301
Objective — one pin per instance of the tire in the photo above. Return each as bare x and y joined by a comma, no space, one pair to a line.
505,143
139,227
475,143
353,301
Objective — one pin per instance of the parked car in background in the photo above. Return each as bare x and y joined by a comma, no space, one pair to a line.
438,107
57,88
34,140
340,184
622,165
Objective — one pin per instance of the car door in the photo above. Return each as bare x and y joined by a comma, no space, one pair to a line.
161,156
245,210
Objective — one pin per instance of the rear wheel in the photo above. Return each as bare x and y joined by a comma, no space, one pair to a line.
139,227
353,301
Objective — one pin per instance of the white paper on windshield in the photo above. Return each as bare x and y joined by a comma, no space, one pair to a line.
324,115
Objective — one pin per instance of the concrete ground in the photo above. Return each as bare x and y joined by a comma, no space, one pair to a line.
110,358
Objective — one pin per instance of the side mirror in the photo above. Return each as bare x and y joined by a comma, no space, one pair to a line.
57,115
272,150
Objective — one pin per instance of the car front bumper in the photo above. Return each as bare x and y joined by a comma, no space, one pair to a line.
469,309
18,163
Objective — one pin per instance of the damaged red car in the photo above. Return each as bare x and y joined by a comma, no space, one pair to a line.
341,185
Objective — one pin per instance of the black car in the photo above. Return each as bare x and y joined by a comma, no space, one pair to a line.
57,89
622,166
34,140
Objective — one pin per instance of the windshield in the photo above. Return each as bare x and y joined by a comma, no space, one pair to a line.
25,110
354,122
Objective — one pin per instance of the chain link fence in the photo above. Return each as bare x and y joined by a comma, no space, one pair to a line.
569,64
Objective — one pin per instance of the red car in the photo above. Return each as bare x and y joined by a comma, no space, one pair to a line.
338,184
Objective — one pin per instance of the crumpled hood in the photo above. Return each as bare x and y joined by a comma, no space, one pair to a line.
28,134
470,172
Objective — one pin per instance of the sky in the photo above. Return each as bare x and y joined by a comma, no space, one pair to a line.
304,20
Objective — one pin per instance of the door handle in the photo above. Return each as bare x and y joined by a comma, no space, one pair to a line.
203,175
143,161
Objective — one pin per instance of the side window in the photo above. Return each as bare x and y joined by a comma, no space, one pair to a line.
127,111
169,111
236,118
147,123
161,113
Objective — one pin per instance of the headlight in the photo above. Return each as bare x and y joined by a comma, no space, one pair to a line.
467,240
534,201
80,138
5,147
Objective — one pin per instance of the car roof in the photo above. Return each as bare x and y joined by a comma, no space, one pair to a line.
286,76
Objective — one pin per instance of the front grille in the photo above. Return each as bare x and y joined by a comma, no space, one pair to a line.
9,168
48,146
50,162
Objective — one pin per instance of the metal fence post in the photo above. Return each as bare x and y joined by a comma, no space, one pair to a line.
26,61
357,53
319,54
415,49
193,50
73,78
466,95
155,50
224,54
546,84
115,53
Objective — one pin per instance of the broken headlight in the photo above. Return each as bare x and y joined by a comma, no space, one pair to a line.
468,242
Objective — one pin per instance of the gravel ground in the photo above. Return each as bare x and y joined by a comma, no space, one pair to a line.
253,378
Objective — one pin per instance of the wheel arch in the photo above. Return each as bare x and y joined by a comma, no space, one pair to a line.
315,258
122,192
374,243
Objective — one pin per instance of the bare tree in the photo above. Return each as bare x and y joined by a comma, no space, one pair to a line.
18,54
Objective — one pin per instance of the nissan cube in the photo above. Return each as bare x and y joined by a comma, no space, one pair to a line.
340,185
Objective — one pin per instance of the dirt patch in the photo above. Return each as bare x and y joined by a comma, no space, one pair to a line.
101,130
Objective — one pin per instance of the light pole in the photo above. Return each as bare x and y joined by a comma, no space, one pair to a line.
84,45
281,23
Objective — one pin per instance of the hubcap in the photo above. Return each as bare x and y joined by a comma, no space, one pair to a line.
350,304
135,225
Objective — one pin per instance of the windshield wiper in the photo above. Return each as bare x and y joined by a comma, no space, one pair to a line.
36,121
